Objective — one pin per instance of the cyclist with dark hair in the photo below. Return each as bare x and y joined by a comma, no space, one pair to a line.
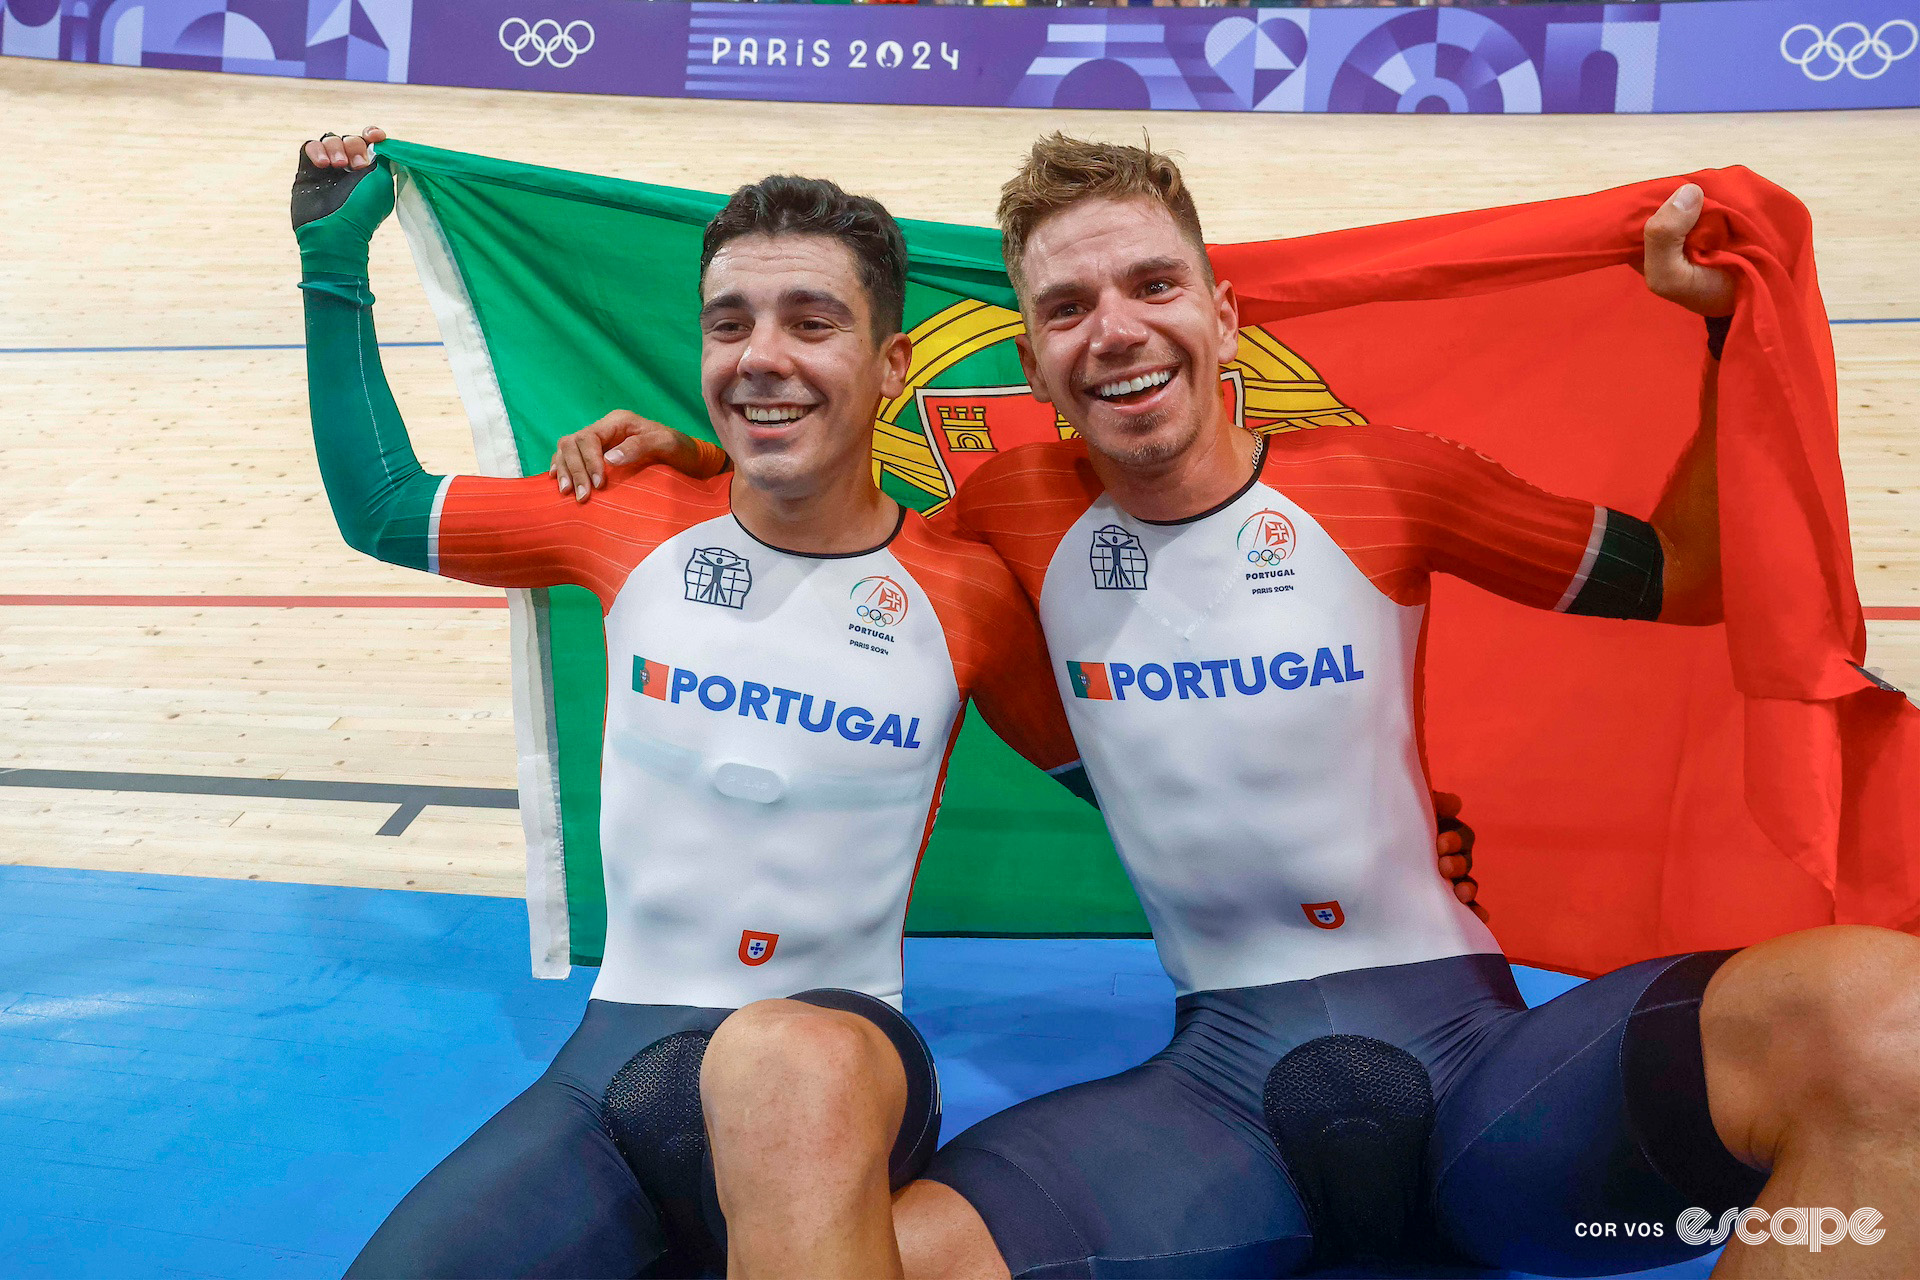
789,656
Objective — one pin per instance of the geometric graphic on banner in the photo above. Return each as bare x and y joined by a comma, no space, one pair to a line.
262,37
1116,61
30,28
1437,60
359,39
1255,56
1602,64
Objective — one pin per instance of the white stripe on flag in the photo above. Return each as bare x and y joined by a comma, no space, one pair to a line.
535,738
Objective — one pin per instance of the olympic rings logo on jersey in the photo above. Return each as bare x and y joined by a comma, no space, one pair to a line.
546,39
1267,537
1822,57
879,600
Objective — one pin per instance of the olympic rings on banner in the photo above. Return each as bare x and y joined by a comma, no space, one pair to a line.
1823,57
546,39
880,617
1264,555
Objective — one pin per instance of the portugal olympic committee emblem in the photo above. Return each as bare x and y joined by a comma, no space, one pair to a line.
879,601
756,947
1324,915
546,41
1266,538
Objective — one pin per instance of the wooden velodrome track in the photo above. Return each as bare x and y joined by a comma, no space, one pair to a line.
143,218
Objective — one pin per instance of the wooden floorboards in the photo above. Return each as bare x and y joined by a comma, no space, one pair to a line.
147,209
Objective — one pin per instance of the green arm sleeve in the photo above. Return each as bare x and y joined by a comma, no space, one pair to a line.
381,497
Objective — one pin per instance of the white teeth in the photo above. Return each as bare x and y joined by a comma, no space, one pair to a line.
1132,385
755,413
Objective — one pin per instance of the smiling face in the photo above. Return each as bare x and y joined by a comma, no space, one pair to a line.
1125,337
789,366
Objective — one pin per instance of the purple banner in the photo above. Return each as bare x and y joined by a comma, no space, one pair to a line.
579,46
938,55
1711,55
1763,55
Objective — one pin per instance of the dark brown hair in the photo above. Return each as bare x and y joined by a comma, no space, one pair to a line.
786,205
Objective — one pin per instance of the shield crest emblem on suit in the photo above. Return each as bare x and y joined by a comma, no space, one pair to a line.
1324,915
757,947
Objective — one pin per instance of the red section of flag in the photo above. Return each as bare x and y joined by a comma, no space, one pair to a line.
1638,789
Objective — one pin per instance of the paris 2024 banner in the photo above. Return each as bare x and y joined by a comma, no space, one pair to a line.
1705,55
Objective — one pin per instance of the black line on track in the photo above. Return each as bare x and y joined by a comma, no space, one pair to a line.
408,798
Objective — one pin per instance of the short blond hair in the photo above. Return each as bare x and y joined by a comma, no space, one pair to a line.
1060,172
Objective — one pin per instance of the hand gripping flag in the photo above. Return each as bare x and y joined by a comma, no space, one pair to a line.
1639,789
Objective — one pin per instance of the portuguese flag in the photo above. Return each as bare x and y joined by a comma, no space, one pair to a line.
1089,680
1638,790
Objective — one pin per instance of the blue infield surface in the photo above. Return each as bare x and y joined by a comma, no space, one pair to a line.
234,1078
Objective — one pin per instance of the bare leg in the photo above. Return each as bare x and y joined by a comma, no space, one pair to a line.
942,1236
803,1105
1812,1052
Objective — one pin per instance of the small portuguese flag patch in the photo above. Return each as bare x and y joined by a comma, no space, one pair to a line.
1089,680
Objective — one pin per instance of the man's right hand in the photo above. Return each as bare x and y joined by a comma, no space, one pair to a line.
354,151
620,439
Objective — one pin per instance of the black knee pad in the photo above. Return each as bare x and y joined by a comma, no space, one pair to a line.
652,1110
1351,1116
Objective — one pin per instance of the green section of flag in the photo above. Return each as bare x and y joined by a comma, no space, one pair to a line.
582,294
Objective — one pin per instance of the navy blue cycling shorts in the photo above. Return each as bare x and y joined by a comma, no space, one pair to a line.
1547,1125
545,1189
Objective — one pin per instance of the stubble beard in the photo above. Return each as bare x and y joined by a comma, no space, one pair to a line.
1156,448
775,472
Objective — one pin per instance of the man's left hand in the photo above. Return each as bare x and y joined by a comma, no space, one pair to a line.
1669,272
1455,848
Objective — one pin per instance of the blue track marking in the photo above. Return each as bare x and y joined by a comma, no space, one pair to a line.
239,1079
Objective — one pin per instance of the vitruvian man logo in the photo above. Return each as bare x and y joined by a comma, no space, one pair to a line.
716,575
1119,561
